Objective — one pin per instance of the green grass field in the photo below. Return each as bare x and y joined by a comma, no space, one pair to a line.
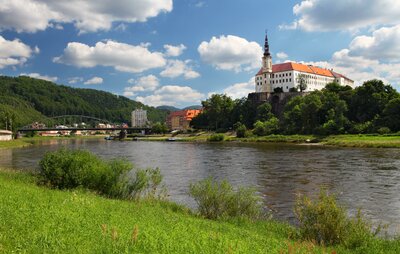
22,142
14,143
386,141
36,219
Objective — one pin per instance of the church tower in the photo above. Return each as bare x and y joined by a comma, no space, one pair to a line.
267,58
264,76
266,68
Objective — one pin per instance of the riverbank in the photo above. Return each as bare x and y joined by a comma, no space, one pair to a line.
24,142
37,219
348,140
377,141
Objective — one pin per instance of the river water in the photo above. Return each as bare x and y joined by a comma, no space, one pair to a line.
365,178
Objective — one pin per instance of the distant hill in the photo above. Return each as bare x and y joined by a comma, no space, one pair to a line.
172,108
194,107
168,108
30,99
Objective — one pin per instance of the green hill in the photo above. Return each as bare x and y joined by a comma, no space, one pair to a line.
168,108
28,99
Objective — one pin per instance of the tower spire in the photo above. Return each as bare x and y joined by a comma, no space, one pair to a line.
266,45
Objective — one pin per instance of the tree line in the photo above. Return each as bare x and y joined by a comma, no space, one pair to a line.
370,108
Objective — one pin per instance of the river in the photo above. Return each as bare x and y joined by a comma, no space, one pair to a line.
366,178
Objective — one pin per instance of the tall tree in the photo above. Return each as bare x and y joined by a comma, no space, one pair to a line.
264,112
218,109
391,115
369,100
301,82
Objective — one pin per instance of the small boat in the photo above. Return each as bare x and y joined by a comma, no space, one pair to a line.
109,138
171,139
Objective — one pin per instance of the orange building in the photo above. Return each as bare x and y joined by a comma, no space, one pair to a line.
180,120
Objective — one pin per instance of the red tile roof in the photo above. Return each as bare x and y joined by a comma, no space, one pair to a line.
292,66
338,75
187,113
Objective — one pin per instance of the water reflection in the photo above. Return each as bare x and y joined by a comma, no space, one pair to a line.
363,178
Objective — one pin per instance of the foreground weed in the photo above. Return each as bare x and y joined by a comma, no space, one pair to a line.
323,220
135,234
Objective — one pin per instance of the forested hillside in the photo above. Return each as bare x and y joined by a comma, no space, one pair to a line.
27,99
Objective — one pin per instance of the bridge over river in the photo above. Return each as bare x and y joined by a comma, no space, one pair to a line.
108,125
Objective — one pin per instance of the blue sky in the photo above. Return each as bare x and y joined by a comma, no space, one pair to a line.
165,52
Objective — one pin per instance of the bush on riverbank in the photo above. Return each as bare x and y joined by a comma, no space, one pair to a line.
216,137
146,184
69,169
219,200
323,220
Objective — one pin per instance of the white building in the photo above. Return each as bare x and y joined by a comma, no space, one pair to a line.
5,135
288,75
139,118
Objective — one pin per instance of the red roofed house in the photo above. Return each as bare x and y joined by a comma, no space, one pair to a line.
180,120
286,75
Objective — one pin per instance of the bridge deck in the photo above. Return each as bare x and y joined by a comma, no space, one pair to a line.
86,129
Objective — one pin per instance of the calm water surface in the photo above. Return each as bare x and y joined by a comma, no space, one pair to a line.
362,178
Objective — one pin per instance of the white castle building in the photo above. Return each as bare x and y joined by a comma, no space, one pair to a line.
139,118
288,75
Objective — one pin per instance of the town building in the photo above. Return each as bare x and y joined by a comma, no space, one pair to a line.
5,135
180,120
139,118
287,76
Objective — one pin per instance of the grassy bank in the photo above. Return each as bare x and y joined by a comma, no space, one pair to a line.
278,139
37,219
14,143
23,142
386,141
367,140
377,141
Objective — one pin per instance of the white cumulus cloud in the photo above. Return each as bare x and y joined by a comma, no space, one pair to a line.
39,76
238,90
281,55
75,80
121,56
176,68
14,52
87,16
94,81
172,95
382,44
145,83
231,53
171,50
326,15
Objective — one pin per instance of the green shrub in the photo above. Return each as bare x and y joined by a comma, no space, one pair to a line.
271,126
219,200
241,131
383,130
145,184
359,128
326,222
69,169
66,169
259,129
216,137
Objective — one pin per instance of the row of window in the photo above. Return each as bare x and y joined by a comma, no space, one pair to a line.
279,81
273,75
